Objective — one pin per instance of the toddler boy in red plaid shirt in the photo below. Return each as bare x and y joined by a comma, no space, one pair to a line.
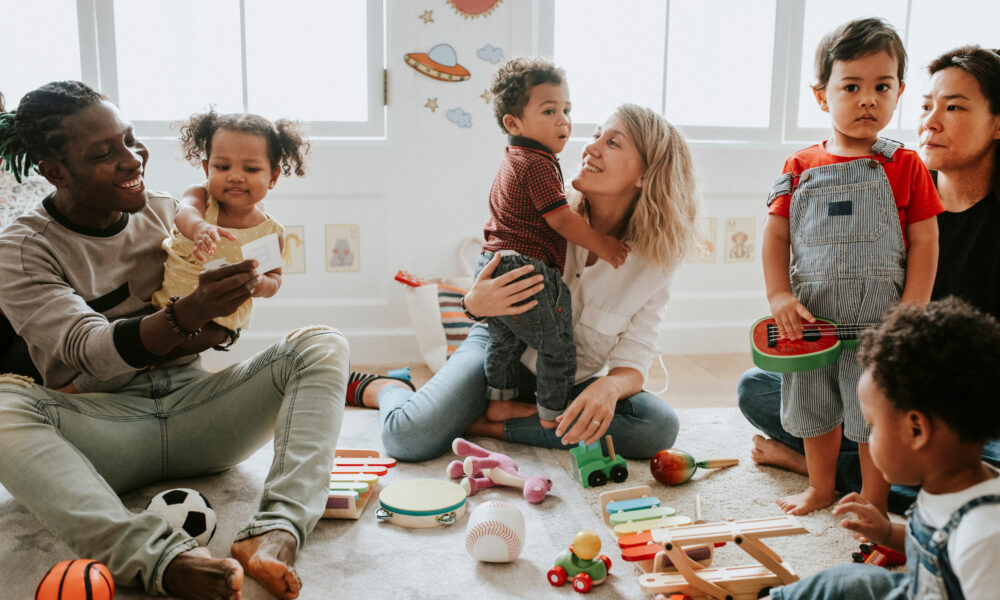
530,222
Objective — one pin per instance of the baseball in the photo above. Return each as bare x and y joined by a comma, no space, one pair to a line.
495,532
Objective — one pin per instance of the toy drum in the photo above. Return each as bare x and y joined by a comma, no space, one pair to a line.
421,503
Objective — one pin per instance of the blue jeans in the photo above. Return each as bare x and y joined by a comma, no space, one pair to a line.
548,328
759,394
67,456
850,581
421,425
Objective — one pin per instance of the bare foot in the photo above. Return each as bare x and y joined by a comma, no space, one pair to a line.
806,502
268,558
197,575
774,453
502,410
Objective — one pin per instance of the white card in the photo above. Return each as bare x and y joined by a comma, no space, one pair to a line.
266,251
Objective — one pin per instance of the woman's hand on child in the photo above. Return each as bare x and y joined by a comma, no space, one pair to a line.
206,238
868,524
614,251
788,315
502,295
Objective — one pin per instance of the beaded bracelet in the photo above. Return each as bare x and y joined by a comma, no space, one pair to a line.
172,319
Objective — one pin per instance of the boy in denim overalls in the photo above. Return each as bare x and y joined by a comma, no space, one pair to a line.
928,428
855,214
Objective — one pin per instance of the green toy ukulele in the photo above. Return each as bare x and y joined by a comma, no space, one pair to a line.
821,345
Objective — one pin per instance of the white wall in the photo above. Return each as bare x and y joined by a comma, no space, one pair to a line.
416,194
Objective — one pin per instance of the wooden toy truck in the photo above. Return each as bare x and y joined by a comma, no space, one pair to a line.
722,583
596,466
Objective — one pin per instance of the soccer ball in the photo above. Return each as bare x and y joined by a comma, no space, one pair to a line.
186,509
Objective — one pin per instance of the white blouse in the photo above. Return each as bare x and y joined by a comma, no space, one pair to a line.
616,313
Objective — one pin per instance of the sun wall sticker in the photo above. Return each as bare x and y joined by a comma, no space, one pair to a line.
440,63
472,9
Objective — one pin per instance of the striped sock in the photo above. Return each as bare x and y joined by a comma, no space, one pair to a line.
357,382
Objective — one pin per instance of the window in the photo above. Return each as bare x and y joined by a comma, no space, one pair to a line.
738,69
54,55
315,61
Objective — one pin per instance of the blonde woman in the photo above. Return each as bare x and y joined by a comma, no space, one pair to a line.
636,183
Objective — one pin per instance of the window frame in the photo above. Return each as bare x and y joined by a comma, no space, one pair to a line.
785,82
98,67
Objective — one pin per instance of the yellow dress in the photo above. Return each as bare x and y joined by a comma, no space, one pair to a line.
181,270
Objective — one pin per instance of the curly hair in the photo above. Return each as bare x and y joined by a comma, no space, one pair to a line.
857,39
984,65
286,147
942,359
511,85
33,132
661,225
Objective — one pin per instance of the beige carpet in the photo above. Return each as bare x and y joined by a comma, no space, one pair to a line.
365,558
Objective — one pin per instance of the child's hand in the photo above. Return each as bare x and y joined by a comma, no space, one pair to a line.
614,251
868,524
788,314
205,239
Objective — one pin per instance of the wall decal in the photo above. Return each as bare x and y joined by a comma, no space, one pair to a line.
440,63
740,239
474,8
428,16
342,245
486,96
293,255
705,237
460,117
432,103
490,53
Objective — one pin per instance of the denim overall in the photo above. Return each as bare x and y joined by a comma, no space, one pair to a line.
848,264
930,572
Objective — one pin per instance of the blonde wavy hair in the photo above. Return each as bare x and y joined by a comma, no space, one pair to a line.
661,224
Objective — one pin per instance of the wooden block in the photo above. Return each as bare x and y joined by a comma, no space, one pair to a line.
644,514
631,504
661,523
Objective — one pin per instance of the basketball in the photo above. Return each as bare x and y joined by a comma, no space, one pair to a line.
495,532
80,579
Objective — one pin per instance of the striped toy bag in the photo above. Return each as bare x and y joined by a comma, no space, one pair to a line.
435,308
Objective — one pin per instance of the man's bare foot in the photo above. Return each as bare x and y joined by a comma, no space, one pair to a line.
197,575
772,452
268,558
806,502
502,410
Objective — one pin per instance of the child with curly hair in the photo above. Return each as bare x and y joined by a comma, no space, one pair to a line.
530,222
928,429
242,155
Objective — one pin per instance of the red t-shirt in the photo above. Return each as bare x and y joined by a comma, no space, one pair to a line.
911,183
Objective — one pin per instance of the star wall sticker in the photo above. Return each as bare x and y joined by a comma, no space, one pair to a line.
428,16
432,103
486,96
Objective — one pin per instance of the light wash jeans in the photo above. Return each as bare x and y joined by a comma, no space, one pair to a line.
759,394
421,425
66,457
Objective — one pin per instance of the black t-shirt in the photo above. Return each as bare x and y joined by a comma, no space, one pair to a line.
969,259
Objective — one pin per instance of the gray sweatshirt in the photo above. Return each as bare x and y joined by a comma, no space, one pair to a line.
76,295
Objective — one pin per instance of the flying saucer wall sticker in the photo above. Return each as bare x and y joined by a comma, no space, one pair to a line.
474,8
440,63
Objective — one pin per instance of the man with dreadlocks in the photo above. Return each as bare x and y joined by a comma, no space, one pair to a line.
78,272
